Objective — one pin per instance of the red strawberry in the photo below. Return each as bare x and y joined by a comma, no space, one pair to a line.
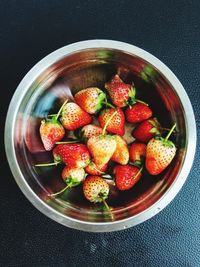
137,153
90,99
74,117
90,130
137,113
119,91
121,154
146,130
126,176
94,169
95,189
101,148
74,155
51,131
160,153
72,177
116,125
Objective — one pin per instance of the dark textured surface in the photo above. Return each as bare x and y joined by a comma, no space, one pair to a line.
30,30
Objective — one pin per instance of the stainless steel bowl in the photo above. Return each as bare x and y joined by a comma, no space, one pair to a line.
57,77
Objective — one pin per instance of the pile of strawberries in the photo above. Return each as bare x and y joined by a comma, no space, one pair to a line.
98,144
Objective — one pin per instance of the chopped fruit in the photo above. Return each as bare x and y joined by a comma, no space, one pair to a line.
137,113
137,153
74,117
146,130
160,153
121,154
126,176
116,125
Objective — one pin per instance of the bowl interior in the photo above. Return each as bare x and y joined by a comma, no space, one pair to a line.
85,68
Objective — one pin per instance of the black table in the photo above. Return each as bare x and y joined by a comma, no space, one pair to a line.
169,30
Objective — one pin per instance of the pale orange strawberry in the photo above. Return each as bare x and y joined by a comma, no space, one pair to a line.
74,117
159,154
101,148
95,169
121,154
90,99
95,189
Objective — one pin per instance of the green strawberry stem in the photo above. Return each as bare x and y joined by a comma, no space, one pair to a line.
167,129
107,122
108,208
106,205
60,192
170,132
97,169
60,110
107,104
68,142
138,173
47,164
140,101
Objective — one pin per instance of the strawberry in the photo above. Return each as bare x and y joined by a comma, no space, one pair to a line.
74,155
137,113
160,153
101,148
51,131
146,130
116,125
94,169
95,189
119,91
73,116
121,154
72,177
126,176
137,153
90,130
90,99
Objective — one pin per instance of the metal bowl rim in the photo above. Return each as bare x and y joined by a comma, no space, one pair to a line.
21,91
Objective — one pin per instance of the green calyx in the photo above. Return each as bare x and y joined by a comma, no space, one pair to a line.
132,98
137,163
100,101
165,140
72,181
156,127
